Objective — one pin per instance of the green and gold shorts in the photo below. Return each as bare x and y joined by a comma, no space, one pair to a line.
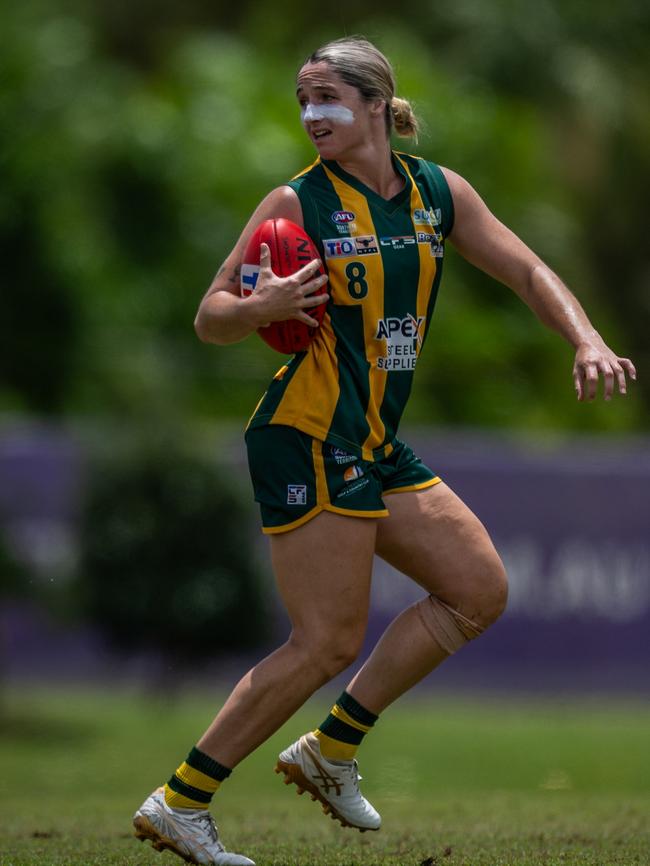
295,477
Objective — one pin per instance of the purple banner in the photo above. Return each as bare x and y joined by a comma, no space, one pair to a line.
572,525
571,522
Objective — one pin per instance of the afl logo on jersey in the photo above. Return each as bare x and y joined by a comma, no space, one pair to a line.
342,216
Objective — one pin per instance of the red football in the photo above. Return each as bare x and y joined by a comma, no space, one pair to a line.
291,249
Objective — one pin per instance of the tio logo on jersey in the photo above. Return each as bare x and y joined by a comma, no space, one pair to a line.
339,248
344,248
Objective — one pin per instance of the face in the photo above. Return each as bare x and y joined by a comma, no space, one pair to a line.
336,117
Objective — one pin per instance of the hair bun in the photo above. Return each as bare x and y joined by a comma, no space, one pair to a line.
404,119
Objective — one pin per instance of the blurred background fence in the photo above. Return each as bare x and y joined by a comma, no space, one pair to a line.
135,140
148,566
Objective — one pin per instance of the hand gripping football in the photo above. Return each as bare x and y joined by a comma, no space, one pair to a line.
291,249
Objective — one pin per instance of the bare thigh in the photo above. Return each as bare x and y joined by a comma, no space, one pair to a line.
323,572
323,575
435,539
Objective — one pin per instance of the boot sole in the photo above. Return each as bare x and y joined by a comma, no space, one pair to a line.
144,829
293,775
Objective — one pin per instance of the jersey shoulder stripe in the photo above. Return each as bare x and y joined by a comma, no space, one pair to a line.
305,171
432,176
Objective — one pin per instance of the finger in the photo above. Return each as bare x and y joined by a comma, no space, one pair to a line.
308,320
590,381
265,257
629,366
313,285
308,270
619,372
577,383
608,376
314,300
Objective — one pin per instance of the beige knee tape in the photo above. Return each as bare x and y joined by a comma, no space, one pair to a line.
447,626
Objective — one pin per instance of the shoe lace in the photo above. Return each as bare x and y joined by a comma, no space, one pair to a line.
355,776
206,823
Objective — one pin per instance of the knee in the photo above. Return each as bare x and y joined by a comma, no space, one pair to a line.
494,592
330,652
482,591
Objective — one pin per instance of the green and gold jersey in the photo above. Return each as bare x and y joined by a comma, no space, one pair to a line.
384,258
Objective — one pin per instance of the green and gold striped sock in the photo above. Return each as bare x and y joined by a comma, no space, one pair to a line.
195,781
342,731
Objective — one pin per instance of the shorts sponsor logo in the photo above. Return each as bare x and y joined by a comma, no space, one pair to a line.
296,494
342,457
434,239
352,473
430,217
353,488
397,242
342,216
248,279
403,341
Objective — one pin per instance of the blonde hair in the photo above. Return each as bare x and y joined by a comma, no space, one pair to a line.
362,65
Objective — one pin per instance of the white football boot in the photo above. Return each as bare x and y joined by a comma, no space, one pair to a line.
334,783
190,833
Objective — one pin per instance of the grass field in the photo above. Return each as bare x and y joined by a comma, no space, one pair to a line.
482,782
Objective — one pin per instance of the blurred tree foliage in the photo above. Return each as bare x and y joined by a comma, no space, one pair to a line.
165,555
14,575
15,584
137,137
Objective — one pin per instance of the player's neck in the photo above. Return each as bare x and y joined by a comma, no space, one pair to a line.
373,166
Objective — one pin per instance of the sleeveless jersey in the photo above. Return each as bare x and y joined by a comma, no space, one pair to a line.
384,259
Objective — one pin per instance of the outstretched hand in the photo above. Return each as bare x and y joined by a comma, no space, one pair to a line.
594,359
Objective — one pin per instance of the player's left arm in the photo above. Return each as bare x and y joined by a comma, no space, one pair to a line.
489,245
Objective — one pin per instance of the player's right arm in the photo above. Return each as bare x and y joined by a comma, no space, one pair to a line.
225,317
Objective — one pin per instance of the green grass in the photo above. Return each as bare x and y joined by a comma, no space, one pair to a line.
483,782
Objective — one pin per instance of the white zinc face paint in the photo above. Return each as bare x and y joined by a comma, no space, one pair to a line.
335,113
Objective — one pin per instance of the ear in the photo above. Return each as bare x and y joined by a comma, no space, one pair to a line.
378,107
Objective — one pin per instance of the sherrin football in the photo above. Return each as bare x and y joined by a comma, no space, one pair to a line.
291,249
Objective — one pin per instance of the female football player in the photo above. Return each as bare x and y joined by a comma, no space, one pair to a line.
334,482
